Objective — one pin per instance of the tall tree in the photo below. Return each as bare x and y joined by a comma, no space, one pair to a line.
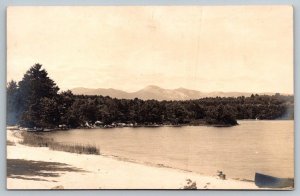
35,86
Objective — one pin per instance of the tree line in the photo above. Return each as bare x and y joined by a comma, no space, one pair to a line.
35,101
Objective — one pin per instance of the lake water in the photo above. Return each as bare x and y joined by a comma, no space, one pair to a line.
239,151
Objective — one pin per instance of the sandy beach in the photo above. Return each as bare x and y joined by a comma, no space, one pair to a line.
41,168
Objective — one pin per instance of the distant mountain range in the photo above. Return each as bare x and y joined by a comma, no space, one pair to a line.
157,93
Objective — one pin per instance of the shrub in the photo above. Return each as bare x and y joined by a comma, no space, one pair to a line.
190,184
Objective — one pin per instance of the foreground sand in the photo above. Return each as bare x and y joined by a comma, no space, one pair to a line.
41,168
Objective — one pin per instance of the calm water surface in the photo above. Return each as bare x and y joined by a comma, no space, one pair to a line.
240,151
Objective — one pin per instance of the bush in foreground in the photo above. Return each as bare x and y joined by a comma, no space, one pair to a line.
190,184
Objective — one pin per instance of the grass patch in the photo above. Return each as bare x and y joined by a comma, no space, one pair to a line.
34,139
76,148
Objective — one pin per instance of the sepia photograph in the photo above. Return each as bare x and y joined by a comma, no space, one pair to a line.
150,97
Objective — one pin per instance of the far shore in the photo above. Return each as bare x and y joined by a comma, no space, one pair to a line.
154,125
111,126
42,168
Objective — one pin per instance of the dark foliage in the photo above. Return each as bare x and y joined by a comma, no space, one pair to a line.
35,102
27,100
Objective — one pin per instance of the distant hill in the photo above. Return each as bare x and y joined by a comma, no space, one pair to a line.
102,91
157,93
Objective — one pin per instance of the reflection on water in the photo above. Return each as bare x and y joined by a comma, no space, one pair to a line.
240,151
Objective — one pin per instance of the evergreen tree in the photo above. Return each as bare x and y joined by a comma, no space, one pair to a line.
35,86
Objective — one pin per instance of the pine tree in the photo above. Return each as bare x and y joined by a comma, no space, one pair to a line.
35,86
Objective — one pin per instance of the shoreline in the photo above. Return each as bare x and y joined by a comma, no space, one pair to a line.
19,128
159,165
147,163
139,126
106,172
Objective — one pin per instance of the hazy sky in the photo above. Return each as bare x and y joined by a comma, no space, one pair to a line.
211,48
